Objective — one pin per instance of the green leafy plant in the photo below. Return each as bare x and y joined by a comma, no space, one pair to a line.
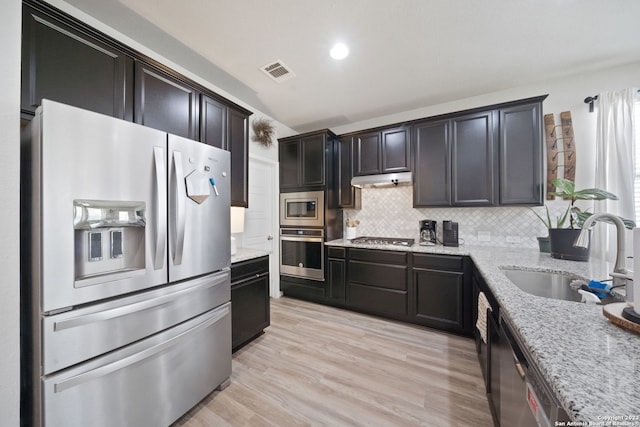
566,189
557,222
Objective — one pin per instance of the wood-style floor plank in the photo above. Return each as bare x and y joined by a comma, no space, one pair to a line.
321,366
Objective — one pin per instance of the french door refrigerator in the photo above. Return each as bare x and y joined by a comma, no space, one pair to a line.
126,258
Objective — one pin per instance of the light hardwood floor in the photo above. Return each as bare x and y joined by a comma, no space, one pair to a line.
322,366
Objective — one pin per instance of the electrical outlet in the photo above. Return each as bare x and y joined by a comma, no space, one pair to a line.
484,236
513,239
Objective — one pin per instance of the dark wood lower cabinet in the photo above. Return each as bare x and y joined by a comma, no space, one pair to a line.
336,275
442,292
424,289
378,282
250,312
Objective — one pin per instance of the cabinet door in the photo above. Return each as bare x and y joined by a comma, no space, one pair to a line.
396,150
336,274
367,153
348,196
439,299
238,144
521,155
62,64
165,103
213,122
289,159
431,164
313,160
249,309
473,160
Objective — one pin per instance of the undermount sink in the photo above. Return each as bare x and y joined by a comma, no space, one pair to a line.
547,284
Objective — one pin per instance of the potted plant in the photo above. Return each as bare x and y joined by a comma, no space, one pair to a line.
544,242
561,239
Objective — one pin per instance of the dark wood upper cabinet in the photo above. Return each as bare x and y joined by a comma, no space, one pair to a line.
213,122
383,151
521,173
60,63
238,144
313,163
367,156
67,61
348,196
164,102
432,173
487,157
289,154
473,166
303,160
396,150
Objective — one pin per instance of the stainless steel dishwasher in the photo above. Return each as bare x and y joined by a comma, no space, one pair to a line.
525,399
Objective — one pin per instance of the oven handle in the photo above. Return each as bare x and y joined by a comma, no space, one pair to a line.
302,239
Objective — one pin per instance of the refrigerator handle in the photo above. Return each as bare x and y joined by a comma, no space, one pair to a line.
180,217
161,211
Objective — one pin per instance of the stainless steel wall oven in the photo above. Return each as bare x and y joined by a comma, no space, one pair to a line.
302,253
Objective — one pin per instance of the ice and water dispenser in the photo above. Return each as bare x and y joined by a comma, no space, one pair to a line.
109,237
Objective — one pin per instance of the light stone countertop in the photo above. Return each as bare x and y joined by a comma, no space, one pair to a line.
244,254
592,365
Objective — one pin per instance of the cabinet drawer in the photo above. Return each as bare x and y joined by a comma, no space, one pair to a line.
440,262
377,300
386,257
252,267
336,252
382,276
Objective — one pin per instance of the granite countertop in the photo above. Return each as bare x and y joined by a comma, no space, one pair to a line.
592,365
244,254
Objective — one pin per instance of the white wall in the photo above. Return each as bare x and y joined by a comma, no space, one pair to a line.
10,19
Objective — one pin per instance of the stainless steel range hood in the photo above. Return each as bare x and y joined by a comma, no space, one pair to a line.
382,180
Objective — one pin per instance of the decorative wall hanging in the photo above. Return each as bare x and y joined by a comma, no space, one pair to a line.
567,149
263,131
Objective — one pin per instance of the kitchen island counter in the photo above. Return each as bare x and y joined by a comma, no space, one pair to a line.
592,365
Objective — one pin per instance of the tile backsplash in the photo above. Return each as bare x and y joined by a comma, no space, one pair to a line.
389,212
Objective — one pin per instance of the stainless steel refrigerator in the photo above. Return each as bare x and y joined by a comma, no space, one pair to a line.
125,271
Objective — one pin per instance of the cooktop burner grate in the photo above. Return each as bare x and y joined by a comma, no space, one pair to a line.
391,241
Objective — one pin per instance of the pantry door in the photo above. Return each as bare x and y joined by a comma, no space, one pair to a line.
260,218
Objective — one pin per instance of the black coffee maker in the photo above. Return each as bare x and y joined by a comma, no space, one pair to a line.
428,232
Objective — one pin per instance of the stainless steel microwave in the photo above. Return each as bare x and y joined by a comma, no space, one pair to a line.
302,209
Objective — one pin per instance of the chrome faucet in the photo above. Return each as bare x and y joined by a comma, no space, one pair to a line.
621,275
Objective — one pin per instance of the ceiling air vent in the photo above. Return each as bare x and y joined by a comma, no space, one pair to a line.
278,71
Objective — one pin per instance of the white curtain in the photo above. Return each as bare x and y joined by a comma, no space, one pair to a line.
615,166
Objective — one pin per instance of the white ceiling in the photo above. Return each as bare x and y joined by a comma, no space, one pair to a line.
405,54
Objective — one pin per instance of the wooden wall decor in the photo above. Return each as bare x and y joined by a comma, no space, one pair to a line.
552,152
567,149
569,146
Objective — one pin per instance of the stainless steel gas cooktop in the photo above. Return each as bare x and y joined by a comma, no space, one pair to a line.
386,241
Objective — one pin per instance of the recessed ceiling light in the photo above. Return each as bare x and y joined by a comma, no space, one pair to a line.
339,51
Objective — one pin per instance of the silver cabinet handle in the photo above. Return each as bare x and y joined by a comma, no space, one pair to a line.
180,217
161,212
269,237
145,354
